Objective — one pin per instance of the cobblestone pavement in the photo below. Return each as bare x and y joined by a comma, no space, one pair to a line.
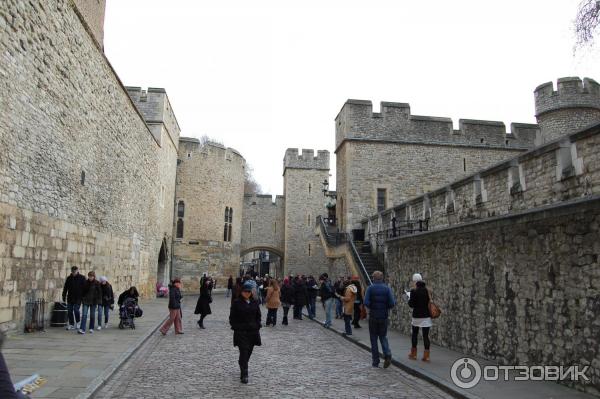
302,360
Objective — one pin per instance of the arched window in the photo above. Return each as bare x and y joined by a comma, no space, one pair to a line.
180,209
226,214
179,233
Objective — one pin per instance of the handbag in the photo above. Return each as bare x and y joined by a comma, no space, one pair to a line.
363,312
434,310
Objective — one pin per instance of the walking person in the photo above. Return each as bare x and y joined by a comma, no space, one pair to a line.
174,309
328,298
313,290
273,301
72,294
358,301
204,301
229,286
379,299
91,298
108,301
421,318
287,299
245,321
300,297
348,300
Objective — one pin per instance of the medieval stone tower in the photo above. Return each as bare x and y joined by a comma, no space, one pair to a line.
574,105
302,177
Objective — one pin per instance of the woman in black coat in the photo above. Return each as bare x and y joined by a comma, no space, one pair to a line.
203,304
300,297
245,321
287,299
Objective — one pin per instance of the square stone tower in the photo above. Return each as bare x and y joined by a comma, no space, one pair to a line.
304,201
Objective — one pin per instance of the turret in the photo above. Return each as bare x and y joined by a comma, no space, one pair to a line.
574,105
306,160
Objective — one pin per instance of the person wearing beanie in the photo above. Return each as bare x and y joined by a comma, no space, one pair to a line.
92,297
421,318
245,321
72,294
108,301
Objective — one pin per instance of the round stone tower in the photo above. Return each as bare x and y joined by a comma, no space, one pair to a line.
574,105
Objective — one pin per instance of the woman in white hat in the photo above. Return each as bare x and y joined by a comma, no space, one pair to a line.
421,318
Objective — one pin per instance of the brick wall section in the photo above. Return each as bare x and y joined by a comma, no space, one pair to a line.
210,178
93,13
263,223
301,210
521,289
65,112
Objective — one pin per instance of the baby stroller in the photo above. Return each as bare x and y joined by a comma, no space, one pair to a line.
127,312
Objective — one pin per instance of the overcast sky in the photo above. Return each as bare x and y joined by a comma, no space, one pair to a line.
262,76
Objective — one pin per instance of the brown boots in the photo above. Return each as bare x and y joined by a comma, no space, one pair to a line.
413,354
426,355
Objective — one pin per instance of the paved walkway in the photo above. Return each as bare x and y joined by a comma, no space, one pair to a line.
438,370
296,361
73,363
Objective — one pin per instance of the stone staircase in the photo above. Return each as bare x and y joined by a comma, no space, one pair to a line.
367,258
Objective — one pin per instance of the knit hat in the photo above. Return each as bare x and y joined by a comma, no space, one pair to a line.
102,279
247,286
417,277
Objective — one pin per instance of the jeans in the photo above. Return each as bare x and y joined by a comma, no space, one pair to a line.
73,310
415,337
228,293
378,330
298,312
348,326
312,308
103,310
92,311
271,317
339,309
328,311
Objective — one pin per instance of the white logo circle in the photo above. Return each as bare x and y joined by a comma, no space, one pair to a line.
465,373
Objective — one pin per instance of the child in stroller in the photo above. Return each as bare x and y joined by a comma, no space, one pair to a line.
128,308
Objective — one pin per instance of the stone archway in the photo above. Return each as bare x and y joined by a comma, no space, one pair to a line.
161,269
267,248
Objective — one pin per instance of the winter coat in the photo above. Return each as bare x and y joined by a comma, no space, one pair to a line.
73,289
108,298
7,389
92,293
174,297
203,304
348,299
312,289
327,291
379,299
124,295
273,298
245,321
287,294
300,293
419,301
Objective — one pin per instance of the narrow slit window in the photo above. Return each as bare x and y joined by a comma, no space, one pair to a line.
309,249
179,233
381,199
464,164
180,209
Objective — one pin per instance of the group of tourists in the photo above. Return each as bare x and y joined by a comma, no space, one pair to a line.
93,296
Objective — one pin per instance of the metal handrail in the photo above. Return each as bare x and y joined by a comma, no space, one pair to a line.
357,256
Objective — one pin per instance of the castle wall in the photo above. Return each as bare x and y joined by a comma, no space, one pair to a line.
210,178
79,168
92,12
304,201
263,222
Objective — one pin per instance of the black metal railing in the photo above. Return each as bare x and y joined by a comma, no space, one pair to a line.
360,263
333,237
403,227
35,315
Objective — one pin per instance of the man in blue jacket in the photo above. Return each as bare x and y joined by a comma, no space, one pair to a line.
379,299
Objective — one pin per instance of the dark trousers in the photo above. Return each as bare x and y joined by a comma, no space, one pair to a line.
378,331
298,312
73,310
312,308
285,316
415,336
356,314
245,353
271,316
347,326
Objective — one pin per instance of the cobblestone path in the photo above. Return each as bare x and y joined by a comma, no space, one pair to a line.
301,360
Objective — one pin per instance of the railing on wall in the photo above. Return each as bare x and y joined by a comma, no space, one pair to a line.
402,228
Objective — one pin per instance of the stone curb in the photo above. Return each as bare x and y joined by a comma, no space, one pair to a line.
435,380
99,381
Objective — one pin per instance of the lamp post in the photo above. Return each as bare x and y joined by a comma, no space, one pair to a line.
325,189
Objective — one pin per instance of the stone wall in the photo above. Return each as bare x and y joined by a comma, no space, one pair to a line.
304,201
404,170
520,289
210,178
263,223
79,170
92,12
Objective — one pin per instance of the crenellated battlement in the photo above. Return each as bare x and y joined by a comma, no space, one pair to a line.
156,109
395,123
264,200
306,160
191,147
571,92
